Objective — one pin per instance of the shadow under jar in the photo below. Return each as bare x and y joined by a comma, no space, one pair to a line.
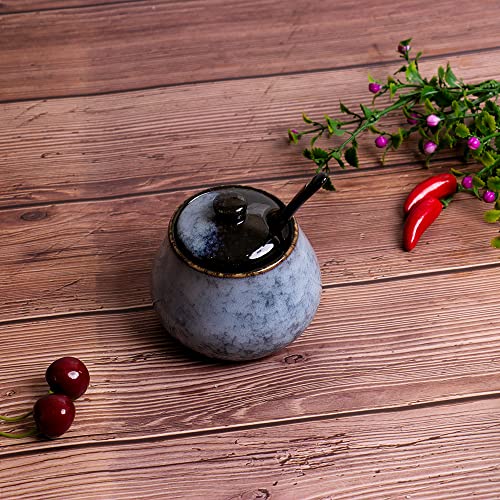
233,280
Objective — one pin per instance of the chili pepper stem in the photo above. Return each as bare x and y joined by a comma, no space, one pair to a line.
15,419
21,435
447,201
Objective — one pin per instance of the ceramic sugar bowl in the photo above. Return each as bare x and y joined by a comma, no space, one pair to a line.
236,278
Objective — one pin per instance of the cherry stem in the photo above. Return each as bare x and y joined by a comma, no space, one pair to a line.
28,433
15,419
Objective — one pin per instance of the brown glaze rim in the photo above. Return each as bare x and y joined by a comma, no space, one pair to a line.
217,274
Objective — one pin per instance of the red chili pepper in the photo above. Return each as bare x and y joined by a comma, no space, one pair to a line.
421,216
438,186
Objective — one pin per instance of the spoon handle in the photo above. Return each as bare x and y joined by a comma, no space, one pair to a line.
301,197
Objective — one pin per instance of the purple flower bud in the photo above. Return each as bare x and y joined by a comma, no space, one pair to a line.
374,87
489,196
294,131
413,120
429,147
467,182
403,49
433,120
381,141
473,143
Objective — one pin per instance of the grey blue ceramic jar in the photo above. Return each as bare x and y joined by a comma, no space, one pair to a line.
230,282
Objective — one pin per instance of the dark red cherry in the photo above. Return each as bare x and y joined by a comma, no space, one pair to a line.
54,415
68,376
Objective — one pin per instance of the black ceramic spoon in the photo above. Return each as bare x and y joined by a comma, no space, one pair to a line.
279,218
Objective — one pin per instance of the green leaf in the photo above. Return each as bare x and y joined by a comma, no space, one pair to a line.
390,79
444,98
456,173
392,89
371,79
333,126
461,130
477,182
374,129
425,135
314,139
367,112
397,138
401,70
441,73
455,106
426,91
328,185
292,137
338,158
405,42
351,156
492,216
340,162
345,109
480,124
492,108
429,108
306,118
489,121
448,139
469,104
421,145
319,153
495,242
307,153
412,74
494,184
487,159
450,77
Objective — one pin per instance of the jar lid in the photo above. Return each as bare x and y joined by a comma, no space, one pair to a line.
227,231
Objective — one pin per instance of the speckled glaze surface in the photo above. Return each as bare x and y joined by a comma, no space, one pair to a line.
237,319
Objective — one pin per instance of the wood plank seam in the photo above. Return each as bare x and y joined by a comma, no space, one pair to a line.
70,7
79,314
368,65
259,425
404,166
441,272
147,307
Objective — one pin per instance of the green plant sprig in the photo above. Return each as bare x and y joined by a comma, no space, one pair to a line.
443,111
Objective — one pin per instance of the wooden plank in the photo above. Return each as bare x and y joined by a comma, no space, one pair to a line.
89,256
154,43
18,6
373,346
164,139
436,453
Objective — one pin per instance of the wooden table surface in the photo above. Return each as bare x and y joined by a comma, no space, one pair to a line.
113,112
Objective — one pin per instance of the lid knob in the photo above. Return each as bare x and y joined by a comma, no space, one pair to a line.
230,207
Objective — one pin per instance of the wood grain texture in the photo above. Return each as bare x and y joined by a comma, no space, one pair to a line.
438,453
154,43
372,346
90,256
235,131
18,6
